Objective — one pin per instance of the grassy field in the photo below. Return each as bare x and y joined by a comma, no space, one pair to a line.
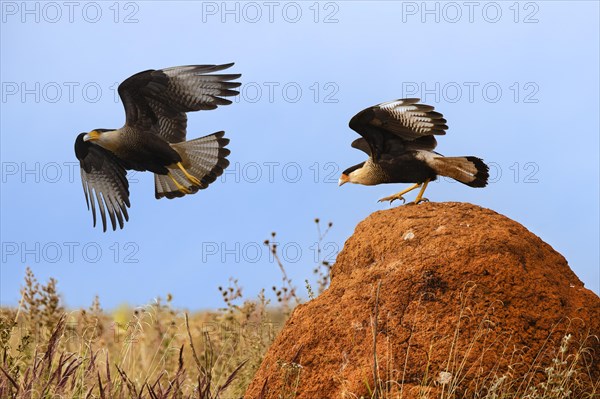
150,352
156,351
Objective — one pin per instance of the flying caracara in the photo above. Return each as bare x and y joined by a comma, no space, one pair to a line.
399,138
154,139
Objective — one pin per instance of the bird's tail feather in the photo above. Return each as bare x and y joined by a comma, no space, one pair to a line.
471,171
204,158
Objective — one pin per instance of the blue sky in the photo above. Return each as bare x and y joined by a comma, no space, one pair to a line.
518,83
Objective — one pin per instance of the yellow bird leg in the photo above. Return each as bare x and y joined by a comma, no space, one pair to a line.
180,187
419,197
399,196
192,179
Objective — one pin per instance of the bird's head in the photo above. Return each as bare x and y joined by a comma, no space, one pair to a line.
94,135
106,138
352,175
344,178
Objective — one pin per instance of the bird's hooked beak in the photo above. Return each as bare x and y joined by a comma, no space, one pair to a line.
343,179
91,136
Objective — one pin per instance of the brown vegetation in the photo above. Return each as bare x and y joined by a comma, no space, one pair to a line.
152,351
440,300
147,352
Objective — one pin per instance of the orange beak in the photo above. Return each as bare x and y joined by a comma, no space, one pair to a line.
93,135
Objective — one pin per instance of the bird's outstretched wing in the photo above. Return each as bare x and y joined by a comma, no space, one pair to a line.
157,100
397,125
104,181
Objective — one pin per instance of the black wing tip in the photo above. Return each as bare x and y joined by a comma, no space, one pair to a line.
483,172
169,195
121,218
230,76
218,135
224,152
218,169
221,139
215,172
226,85
220,101
222,162
229,92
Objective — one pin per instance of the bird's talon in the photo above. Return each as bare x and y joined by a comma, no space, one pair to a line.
194,180
392,199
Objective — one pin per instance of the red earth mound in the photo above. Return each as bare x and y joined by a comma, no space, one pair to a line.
466,296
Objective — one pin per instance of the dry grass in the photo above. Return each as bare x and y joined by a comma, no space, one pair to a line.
149,352
567,376
153,351
156,351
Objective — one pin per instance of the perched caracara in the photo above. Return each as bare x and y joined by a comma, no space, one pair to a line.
154,139
399,138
